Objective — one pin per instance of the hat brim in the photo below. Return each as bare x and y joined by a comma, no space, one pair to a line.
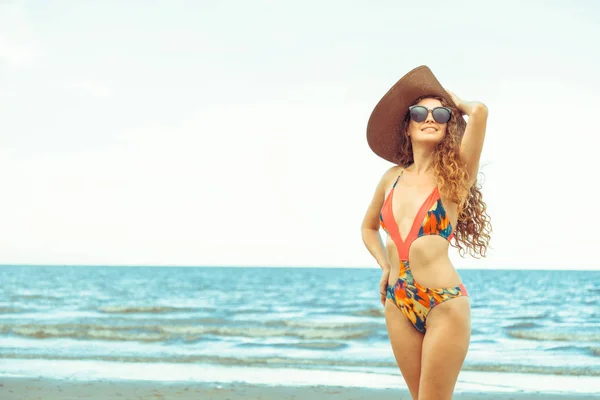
385,123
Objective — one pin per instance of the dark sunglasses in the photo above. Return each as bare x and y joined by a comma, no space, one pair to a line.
441,115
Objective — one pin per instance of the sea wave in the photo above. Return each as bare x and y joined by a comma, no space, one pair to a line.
543,315
555,336
591,350
322,324
535,369
11,310
162,333
371,312
521,325
143,309
32,296
276,362
326,345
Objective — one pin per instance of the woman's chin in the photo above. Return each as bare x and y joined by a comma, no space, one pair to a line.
428,138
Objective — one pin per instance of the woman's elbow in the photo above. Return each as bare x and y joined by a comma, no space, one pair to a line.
480,109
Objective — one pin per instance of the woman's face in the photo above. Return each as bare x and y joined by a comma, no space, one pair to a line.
428,131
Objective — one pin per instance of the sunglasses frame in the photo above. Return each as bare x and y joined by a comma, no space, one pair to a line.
430,110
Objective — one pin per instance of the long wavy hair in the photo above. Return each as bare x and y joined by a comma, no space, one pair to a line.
472,231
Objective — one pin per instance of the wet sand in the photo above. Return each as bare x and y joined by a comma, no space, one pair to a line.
49,389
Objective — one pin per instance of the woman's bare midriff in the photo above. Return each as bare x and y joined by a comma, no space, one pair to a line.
429,262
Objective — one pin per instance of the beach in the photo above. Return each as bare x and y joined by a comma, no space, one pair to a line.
55,389
153,332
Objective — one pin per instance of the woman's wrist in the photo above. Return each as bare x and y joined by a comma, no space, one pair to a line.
471,107
385,266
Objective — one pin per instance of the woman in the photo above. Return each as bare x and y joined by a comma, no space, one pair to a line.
429,198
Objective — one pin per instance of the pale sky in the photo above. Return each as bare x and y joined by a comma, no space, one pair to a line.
234,132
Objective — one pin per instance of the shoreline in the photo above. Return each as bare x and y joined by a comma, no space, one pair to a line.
126,374
13,388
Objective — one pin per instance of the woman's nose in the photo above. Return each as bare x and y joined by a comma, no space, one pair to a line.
429,116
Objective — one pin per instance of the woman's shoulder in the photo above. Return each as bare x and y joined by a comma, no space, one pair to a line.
391,174
394,171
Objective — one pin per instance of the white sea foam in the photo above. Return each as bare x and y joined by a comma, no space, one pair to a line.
467,382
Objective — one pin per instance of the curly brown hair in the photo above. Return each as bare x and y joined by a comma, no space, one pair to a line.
473,227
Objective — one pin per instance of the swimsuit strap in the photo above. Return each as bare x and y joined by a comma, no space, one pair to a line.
398,178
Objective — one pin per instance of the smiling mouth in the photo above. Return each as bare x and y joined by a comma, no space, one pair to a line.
429,129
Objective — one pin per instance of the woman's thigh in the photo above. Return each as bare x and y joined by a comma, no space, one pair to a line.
406,343
445,347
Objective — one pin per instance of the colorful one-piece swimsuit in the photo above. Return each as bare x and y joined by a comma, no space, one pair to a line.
416,301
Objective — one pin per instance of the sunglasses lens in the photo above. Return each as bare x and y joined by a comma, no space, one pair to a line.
418,114
441,115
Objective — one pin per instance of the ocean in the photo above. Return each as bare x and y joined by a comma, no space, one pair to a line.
94,320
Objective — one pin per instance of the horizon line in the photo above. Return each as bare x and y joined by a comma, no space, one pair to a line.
278,266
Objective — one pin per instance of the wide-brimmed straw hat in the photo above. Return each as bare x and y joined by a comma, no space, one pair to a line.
386,123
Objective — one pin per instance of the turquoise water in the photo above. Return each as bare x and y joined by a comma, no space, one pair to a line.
539,322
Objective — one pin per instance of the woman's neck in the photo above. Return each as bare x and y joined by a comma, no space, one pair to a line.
423,161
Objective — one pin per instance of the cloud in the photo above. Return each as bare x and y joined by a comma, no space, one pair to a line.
17,43
91,87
